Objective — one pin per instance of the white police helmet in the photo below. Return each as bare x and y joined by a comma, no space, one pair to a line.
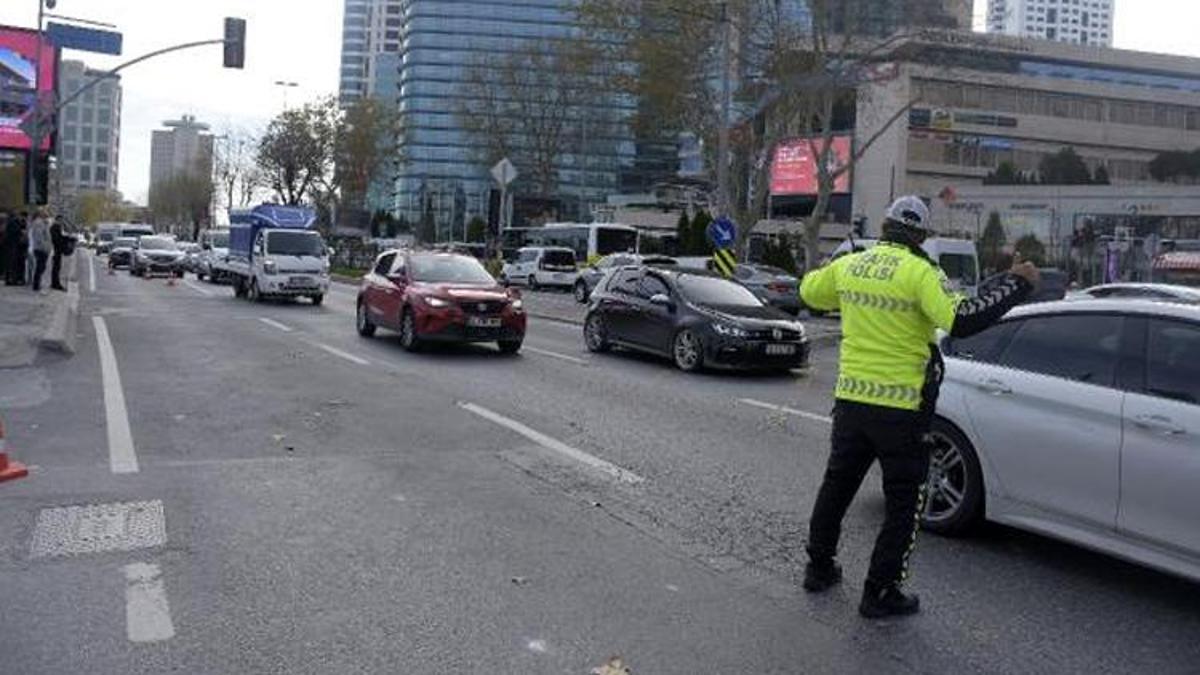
910,211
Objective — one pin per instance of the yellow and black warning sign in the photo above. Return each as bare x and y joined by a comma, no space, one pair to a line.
724,262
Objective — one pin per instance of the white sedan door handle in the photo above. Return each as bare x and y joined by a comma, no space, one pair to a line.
1159,423
994,387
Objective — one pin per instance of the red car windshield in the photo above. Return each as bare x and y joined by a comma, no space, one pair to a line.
448,269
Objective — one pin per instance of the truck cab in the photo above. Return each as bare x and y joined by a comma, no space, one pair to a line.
276,251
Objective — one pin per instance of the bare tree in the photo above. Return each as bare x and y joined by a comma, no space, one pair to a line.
184,200
800,70
535,106
367,139
234,165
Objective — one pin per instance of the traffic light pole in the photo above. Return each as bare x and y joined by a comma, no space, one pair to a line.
37,128
35,145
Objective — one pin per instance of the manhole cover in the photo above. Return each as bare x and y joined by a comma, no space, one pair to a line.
97,528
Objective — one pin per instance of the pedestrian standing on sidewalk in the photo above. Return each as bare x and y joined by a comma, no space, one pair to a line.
58,241
892,298
14,244
40,245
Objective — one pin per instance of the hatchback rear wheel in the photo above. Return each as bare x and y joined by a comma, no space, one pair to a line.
363,322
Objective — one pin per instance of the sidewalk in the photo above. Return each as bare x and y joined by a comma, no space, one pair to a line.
31,323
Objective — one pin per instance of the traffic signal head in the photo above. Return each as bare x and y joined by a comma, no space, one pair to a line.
235,42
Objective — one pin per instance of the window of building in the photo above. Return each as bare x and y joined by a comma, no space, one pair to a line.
102,155
101,174
85,174
85,153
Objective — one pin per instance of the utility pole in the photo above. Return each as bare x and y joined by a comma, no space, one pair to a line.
726,114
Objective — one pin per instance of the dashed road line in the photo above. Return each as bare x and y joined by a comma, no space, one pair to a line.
784,409
623,475
121,455
202,291
555,355
344,355
147,612
275,324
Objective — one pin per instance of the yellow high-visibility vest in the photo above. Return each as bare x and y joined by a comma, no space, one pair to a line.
892,302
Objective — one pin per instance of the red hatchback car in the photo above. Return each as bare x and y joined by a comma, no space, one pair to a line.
439,297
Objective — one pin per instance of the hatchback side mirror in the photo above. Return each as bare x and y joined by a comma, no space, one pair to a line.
662,300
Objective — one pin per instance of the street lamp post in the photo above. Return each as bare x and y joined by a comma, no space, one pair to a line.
35,135
285,86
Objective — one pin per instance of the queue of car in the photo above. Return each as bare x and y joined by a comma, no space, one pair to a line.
1090,441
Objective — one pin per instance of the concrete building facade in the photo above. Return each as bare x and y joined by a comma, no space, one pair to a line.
89,132
980,100
185,146
1087,22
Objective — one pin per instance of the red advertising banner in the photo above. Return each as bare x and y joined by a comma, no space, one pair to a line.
794,167
18,56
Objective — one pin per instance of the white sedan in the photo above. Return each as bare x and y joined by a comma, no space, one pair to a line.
1080,421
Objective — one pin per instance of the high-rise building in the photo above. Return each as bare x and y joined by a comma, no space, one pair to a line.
885,17
184,147
89,132
444,174
1087,22
369,28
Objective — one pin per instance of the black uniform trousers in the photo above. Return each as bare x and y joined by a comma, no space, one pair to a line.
862,434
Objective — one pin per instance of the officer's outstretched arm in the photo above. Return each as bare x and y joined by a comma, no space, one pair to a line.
963,317
818,290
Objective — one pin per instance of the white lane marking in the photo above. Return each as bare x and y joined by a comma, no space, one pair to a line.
345,355
555,355
202,291
623,475
275,324
91,275
787,410
147,613
121,456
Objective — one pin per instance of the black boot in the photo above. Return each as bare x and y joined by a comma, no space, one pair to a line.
821,576
881,602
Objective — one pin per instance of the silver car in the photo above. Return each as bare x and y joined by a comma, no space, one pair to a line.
772,285
1164,292
1080,421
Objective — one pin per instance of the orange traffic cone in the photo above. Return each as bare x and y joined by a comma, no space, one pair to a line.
9,470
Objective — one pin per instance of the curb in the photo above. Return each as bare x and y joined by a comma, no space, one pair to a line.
59,337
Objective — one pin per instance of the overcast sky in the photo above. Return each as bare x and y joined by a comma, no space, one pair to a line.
300,40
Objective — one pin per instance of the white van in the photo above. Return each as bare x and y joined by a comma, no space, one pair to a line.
537,266
957,258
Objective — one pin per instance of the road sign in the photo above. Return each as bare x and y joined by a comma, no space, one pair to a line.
722,232
724,262
504,172
67,36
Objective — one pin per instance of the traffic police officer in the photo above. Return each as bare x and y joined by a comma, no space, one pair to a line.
892,298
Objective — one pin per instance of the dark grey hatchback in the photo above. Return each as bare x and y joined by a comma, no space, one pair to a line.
697,319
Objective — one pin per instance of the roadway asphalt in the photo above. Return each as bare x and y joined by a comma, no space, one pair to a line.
333,504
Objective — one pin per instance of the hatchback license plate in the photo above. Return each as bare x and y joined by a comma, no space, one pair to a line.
483,322
781,350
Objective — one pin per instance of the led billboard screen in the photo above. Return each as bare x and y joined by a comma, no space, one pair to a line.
794,167
18,56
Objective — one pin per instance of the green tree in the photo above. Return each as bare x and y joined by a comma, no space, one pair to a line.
698,243
1100,177
476,230
296,153
1176,166
1030,248
778,252
365,140
1064,167
1005,174
991,243
683,233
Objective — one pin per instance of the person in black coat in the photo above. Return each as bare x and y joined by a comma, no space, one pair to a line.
58,240
14,250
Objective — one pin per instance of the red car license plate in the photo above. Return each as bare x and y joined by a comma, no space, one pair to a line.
483,322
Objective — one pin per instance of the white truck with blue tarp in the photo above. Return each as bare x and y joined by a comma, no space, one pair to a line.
276,251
